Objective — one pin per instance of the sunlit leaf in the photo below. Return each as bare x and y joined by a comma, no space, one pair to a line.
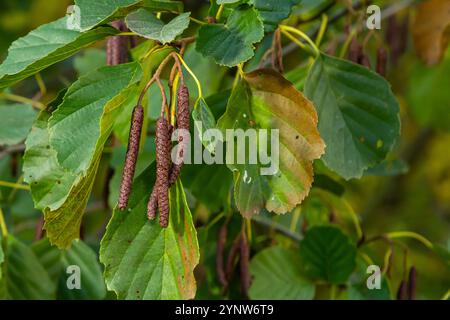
162,260
44,46
273,11
231,43
147,25
265,100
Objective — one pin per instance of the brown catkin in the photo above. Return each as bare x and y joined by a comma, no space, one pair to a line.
232,256
244,265
220,268
131,156
381,61
402,293
412,283
183,122
152,205
117,46
163,146
355,51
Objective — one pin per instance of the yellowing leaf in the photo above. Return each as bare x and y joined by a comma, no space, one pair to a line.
265,100
432,30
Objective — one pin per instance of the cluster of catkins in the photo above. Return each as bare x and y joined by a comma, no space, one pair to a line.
166,171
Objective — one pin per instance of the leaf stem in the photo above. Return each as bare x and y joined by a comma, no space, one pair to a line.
411,235
302,35
123,34
446,295
197,21
346,45
3,227
41,84
220,12
197,82
17,98
14,185
322,29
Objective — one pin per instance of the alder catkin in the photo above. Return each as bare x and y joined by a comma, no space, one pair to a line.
152,205
183,122
220,268
355,51
402,293
381,61
117,46
163,146
244,265
232,256
131,156
412,283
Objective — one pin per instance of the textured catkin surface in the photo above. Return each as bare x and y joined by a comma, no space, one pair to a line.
381,61
152,204
163,164
183,120
220,268
131,157
117,46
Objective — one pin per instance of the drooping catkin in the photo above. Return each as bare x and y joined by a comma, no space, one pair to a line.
381,61
163,163
131,156
232,256
152,205
355,51
183,121
244,264
220,268
117,46
412,277
402,292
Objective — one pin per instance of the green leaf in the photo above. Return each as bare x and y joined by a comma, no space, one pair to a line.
2,259
204,120
90,59
147,25
56,262
428,93
265,100
164,5
308,9
162,260
15,123
232,43
388,168
87,103
62,187
358,114
273,11
44,46
362,292
25,278
328,254
94,13
277,276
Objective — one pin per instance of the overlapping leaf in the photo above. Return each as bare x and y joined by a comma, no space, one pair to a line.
84,118
93,13
277,276
162,260
358,114
273,11
56,262
147,25
44,46
25,278
264,100
164,5
15,123
232,43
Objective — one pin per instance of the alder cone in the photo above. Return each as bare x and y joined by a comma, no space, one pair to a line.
183,122
163,164
131,156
